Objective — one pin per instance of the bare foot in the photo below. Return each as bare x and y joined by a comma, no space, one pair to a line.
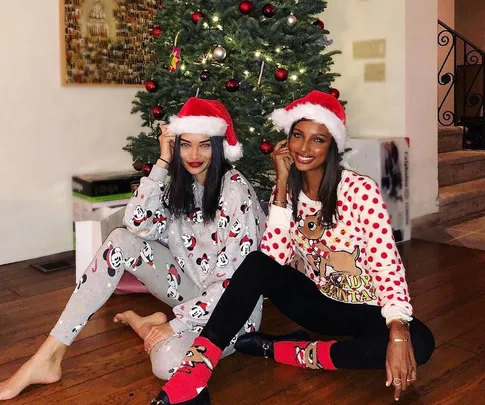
38,370
141,324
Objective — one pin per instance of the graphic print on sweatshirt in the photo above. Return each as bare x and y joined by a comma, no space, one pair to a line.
340,274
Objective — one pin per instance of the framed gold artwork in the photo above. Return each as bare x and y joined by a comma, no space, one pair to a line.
106,42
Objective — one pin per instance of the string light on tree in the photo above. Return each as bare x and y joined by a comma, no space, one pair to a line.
269,10
197,16
291,20
232,85
158,112
151,86
245,7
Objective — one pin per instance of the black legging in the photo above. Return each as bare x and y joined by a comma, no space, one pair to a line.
297,297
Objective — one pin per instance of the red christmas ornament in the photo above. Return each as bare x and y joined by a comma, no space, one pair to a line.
146,169
158,112
151,86
334,92
281,74
319,23
269,10
266,147
205,75
232,85
245,7
156,31
197,16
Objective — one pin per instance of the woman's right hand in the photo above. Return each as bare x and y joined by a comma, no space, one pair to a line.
282,161
167,142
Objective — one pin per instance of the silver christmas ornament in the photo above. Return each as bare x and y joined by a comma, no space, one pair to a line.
219,54
292,20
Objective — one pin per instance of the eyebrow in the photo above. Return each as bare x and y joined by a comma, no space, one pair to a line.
187,141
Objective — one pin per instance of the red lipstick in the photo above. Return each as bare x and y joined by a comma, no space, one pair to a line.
195,164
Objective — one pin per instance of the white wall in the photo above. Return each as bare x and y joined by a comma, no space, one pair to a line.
49,132
403,105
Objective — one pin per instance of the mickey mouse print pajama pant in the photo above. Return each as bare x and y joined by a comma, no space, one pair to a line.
151,263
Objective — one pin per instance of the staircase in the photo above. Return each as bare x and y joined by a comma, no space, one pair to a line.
461,176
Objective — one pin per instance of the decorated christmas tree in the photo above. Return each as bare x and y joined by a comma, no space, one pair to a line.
253,56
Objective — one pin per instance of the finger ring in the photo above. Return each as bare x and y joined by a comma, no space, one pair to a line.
396,381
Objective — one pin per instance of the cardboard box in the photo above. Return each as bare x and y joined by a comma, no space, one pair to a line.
387,162
94,191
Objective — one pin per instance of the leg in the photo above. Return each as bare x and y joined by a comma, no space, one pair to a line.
121,251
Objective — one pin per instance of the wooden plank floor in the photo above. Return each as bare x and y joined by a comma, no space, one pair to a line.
107,364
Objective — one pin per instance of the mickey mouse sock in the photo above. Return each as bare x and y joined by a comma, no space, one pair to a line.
194,371
314,355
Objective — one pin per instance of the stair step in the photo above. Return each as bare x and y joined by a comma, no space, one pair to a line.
450,139
461,200
460,167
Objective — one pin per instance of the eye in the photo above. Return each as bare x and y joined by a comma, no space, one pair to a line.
184,144
312,226
320,140
205,145
297,135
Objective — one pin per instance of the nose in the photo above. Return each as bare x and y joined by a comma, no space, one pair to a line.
194,152
304,145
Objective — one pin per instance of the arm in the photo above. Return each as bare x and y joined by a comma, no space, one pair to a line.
277,241
383,259
145,214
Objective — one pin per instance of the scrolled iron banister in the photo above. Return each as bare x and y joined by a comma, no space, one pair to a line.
462,77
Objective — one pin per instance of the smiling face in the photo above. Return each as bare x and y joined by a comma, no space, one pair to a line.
309,144
196,154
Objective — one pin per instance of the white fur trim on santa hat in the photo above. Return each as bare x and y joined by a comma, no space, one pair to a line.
197,124
283,120
233,152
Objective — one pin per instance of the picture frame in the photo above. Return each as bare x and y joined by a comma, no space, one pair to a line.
106,42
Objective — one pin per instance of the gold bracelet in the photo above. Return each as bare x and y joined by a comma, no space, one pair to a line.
399,340
279,203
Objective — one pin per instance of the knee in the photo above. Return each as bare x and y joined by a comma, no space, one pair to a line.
423,344
256,262
164,365
118,235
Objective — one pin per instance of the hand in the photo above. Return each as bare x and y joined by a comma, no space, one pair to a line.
282,161
400,361
157,334
167,142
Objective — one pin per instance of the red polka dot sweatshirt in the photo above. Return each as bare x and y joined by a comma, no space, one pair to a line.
356,261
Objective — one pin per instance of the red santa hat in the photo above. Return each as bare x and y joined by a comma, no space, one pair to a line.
316,106
208,117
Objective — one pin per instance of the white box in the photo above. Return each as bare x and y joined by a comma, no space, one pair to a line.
387,162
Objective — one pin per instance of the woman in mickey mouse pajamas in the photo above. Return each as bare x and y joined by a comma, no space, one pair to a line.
328,261
211,219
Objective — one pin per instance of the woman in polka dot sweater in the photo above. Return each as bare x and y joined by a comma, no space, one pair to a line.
328,261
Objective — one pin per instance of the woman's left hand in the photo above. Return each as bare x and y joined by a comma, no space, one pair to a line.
400,361
156,334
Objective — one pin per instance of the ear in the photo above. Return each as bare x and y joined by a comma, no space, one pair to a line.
105,254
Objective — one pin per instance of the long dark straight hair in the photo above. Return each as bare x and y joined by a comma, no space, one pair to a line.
327,191
180,195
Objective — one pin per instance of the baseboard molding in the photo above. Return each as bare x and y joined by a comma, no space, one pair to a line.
425,221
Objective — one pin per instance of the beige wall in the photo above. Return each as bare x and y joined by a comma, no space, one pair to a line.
469,20
48,132
405,104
